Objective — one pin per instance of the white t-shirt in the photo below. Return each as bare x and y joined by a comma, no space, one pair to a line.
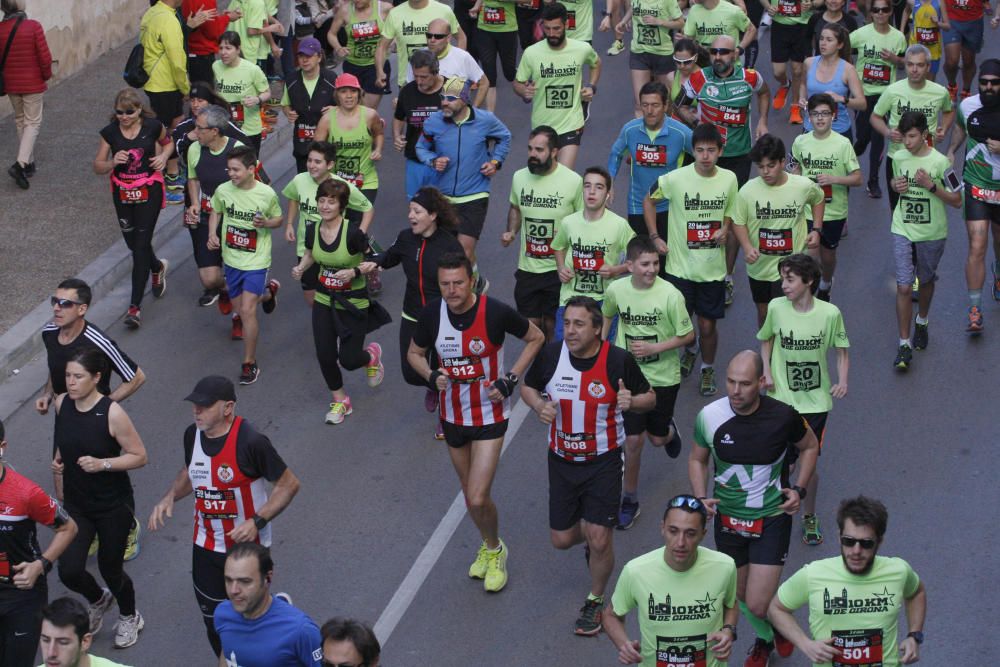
456,62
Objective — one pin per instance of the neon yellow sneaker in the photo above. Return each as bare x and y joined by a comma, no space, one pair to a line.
496,569
479,566
132,546
94,544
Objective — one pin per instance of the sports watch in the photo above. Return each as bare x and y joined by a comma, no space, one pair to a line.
801,491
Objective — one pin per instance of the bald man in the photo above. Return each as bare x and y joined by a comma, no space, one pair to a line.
453,61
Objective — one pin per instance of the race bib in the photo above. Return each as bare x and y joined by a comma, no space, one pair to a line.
571,20
494,15
984,195
700,233
648,358
328,280
775,241
538,235
305,132
364,31
647,35
789,8
139,195
464,370
206,203
651,155
586,265
577,444
860,648
589,261
732,115
354,178
803,375
236,111
244,240
916,210
875,73
687,651
750,528
927,36
559,97
216,504
827,193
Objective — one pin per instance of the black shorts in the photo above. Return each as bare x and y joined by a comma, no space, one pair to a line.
829,236
789,42
656,421
739,165
771,548
569,138
590,490
536,294
310,278
651,62
706,300
167,106
980,210
203,257
472,216
765,291
460,436
366,76
637,222
817,422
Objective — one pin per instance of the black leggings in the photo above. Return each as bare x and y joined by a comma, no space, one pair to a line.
208,573
333,351
526,17
490,45
138,222
866,135
468,26
406,328
893,195
20,624
112,529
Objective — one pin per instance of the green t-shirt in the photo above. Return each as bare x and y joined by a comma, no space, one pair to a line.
235,83
656,314
920,215
244,246
363,35
194,156
982,168
899,98
653,38
791,12
860,611
775,218
589,245
303,189
678,610
354,150
408,27
100,662
798,356
558,77
253,47
833,155
544,200
580,22
875,72
704,25
497,16
698,209
332,259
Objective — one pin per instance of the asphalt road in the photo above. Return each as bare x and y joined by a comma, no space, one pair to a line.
378,492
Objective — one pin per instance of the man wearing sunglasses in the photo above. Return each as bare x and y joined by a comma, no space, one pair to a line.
453,61
688,593
407,24
854,600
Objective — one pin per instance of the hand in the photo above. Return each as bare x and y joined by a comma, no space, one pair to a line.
938,135
565,274
506,239
380,80
587,93
399,143
158,162
711,506
213,242
624,397
825,179
376,155
90,464
993,145
500,390
895,136
839,390
27,573
723,645
761,128
442,380
661,245
886,54
259,220
58,466
251,100
772,10
441,163
641,348
820,650
343,52
900,184
162,511
529,91
297,272
235,14
791,505
650,20
605,271
42,404
344,275
488,168
628,653
768,382
812,240
290,233
121,157
721,236
909,649
605,24
750,256
474,12
291,114
923,179
547,414
623,26
245,532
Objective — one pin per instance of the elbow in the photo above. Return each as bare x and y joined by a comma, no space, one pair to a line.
139,379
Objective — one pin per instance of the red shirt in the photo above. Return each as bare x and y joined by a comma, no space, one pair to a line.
22,505
29,63
204,40
964,10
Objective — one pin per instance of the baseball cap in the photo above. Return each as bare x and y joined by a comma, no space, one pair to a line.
347,81
310,46
211,389
457,86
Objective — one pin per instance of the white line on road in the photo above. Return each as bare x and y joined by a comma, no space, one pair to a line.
431,552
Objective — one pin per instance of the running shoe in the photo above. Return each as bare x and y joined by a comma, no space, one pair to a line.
920,336
268,306
249,373
237,332
708,387
29,169
616,47
208,298
589,622
431,401
812,536
129,627
375,370
966,94
915,296
627,514
478,568
781,96
339,410
730,292
132,547
873,189
823,294
174,197
953,92
759,654
996,283
375,282
482,285
903,358
674,445
795,115
687,362
95,544
975,326
97,610
133,318
782,646
225,305
439,431
160,279
496,569
16,172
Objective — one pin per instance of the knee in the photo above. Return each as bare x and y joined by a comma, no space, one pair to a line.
758,607
904,290
479,501
354,361
562,540
599,540
633,445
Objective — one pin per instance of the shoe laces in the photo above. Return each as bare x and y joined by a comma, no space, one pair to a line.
975,313
338,407
590,609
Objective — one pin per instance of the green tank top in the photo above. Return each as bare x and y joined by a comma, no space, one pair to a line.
332,259
363,36
354,153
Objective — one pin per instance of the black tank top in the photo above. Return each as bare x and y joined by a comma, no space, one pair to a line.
88,434
141,149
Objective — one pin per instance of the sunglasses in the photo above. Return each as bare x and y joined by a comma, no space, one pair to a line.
881,10
849,542
684,61
125,112
64,303
989,82
690,502
720,51
450,98
203,127
438,35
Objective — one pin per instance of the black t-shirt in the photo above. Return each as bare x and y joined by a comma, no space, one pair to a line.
255,455
501,319
141,149
817,23
621,365
357,240
414,107
761,437
91,338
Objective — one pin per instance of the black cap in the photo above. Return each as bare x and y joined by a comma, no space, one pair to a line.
211,389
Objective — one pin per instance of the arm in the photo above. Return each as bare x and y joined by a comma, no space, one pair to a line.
628,649
766,347
857,99
839,390
924,180
916,611
783,621
213,231
338,22
803,89
281,495
460,38
649,217
482,88
398,134
27,573
533,342
743,236
513,226
173,51
698,476
879,125
619,147
179,488
123,431
722,641
808,448
366,219
105,162
126,389
377,127
43,401
947,120
812,240
293,216
748,36
763,106
565,273
380,54
853,179
546,411
417,356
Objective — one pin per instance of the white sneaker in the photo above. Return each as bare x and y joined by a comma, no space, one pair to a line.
284,596
129,627
96,611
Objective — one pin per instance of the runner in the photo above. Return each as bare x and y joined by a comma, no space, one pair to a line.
827,158
830,72
243,85
23,585
467,332
347,641
205,24
790,40
417,100
245,211
833,13
541,195
746,432
496,36
134,149
654,145
723,93
797,334
867,634
224,456
925,182
456,143
65,636
253,28
689,57
685,628
362,22
586,430
653,324
962,41
927,21
95,447
770,219
342,313
258,629
579,20
556,91
979,128
651,50
695,242
309,94
709,19
453,61
590,245
407,25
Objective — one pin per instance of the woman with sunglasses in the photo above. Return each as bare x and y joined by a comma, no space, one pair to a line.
688,57
832,73
652,23
134,149
243,85
363,24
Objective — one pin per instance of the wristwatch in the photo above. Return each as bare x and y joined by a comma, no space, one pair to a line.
917,635
802,492
605,13
731,628
260,522
107,465
933,188
47,567
513,378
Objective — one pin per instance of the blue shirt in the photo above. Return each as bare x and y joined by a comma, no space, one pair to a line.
650,158
283,637
466,145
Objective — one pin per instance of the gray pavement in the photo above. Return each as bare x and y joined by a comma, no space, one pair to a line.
377,490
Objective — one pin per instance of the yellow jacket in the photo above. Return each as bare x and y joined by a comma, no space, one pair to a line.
166,61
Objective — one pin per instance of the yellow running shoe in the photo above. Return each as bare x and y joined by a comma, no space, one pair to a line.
132,546
496,569
479,566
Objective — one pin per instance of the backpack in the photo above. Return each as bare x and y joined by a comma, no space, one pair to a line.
135,73
6,50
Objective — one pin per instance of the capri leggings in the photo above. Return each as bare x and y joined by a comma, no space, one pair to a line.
333,351
138,222
112,528
503,44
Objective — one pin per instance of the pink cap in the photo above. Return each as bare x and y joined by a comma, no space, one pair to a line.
347,81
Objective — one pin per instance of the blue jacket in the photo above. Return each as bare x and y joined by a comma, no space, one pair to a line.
467,148
649,159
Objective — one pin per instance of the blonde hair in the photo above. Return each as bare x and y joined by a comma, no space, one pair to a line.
128,98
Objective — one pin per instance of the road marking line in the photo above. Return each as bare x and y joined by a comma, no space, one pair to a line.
429,555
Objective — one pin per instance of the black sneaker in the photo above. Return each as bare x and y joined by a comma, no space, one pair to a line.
588,624
920,337
16,172
133,318
873,189
208,298
249,373
903,358
823,295
673,446
29,169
